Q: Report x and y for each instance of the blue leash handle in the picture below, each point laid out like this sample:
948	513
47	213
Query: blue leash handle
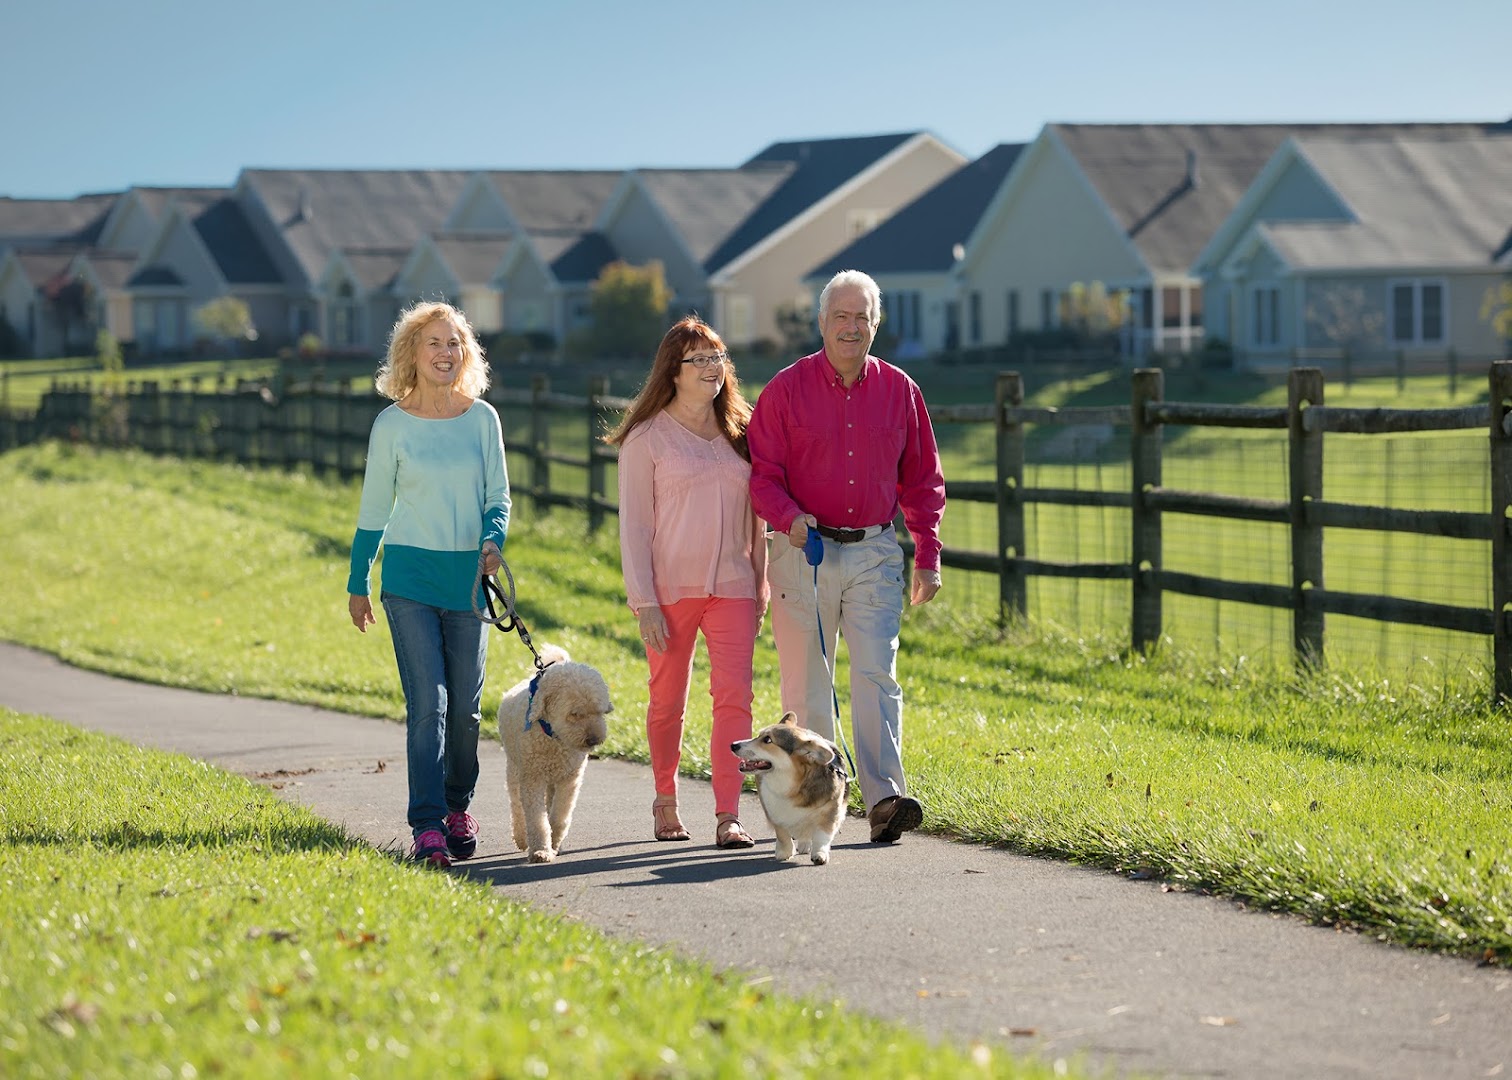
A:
813	551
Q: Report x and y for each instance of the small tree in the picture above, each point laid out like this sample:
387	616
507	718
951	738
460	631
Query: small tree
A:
226	318
1091	312
1345	318
108	353
628	307
1496	309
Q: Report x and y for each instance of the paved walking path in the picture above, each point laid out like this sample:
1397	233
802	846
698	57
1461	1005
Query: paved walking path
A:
960	941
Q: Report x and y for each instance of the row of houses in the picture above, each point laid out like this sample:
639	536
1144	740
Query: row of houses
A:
1274	240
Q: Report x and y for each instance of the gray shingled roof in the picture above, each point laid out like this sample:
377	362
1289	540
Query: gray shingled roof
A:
706	206
111	268
921	236
32	221
556	198
156	200
473	257
819	167
1140	171
320	211
42	264
1419	203
375	268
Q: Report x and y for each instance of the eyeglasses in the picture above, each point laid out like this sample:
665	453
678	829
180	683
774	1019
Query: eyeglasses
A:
704	361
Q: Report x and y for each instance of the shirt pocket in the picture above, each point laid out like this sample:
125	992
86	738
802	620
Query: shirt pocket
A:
815	454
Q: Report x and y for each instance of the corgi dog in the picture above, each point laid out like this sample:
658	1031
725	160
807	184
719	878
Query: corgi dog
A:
801	783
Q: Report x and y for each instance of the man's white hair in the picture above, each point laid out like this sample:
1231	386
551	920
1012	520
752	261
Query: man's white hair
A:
869	288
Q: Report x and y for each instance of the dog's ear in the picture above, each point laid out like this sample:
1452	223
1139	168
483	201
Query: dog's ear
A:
818	752
789	718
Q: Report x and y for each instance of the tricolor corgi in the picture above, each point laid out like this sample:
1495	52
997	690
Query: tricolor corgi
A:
801	783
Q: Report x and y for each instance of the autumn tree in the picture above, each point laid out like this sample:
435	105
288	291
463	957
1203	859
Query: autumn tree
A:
226	318
628	307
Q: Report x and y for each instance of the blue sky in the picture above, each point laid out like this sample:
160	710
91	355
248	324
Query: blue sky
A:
96	95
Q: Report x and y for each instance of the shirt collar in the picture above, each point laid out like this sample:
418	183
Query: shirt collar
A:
832	377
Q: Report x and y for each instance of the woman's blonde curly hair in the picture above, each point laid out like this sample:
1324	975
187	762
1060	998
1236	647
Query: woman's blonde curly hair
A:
396	375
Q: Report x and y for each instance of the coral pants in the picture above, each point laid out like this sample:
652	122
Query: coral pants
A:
729	630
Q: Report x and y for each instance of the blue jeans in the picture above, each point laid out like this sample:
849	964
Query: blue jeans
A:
440	655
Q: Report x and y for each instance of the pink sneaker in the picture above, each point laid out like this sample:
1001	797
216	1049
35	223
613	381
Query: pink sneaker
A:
461	834
430	848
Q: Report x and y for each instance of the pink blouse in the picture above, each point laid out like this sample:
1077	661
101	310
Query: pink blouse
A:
685	519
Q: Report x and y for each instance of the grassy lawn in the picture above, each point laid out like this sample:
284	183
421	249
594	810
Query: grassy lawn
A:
1353	800
181	921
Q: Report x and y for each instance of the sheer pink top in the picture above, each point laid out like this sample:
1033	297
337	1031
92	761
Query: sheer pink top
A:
685	518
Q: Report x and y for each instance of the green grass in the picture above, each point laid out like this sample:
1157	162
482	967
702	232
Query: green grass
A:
181	921
1354	799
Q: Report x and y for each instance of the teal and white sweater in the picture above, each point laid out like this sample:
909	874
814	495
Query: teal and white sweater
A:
434	492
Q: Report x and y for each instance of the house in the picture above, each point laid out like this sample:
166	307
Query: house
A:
203	248
44	312
42	316
737	243
1130	206
547	247
302	218
911	256
1382	246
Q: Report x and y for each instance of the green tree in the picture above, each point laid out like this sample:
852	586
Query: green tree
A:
1091	311
628	307
108	353
226	318
1496	309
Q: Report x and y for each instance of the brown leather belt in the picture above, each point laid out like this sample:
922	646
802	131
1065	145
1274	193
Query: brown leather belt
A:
849	536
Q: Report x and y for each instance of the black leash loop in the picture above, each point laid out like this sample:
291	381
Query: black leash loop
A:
506	617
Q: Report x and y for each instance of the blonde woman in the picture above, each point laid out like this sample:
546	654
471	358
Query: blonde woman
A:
694	559
436	496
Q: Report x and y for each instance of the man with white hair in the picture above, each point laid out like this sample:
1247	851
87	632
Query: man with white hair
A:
839	442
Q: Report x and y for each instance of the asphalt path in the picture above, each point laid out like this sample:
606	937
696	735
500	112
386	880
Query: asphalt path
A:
959	941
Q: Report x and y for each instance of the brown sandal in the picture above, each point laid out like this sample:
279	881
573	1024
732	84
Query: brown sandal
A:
729	833
668	825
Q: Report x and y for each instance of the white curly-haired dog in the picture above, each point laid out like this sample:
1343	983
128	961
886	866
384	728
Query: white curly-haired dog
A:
547	724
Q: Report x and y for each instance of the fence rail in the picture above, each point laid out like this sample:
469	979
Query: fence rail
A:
328	428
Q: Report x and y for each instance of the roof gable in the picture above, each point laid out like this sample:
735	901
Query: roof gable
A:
819	167
320	211
705	206
922	236
35	221
1171	186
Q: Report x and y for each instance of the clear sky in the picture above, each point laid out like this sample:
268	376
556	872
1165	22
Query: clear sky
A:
96	95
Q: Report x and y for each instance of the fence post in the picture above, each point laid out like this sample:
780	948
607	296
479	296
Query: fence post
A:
1501	508
1013	593
597	470
1304	389
540	438
1145	540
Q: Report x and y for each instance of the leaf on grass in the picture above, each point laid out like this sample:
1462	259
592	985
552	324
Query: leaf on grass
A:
1110	779
360	941
255	932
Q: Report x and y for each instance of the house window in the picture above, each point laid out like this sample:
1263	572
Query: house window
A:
901	310
738	308
1265	319
974	307
344	322
1170	306
1417	312
1013	312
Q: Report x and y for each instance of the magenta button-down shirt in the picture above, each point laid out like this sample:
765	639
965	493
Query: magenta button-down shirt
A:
851	456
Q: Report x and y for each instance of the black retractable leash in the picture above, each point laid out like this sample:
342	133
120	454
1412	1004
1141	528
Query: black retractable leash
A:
508	621
813	551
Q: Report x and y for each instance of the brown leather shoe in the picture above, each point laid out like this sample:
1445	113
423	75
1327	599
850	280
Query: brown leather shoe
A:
894	816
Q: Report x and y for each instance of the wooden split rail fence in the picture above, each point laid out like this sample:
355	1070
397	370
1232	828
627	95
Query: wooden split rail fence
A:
327	428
